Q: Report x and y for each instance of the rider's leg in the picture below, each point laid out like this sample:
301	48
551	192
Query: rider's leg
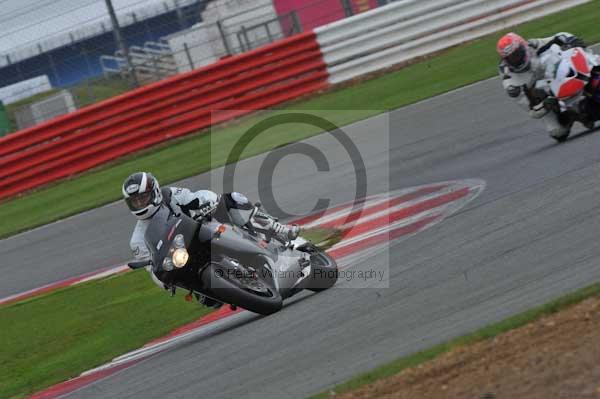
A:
262	220
245	214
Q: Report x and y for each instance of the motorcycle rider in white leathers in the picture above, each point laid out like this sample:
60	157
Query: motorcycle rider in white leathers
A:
143	196
521	67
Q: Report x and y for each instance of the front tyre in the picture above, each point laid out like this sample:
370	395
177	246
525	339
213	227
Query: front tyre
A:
561	132
251	294
561	139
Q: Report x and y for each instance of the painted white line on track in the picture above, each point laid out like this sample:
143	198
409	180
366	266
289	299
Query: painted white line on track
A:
110	272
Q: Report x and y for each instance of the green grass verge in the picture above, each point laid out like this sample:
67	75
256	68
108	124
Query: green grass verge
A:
488	332
98	89
53	337
325	238
11	109
454	68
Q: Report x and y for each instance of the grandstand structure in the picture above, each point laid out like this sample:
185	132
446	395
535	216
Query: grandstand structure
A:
73	54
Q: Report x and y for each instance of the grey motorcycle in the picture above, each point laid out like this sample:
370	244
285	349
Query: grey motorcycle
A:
210	255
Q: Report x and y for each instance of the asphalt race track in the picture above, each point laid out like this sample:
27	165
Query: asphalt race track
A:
530	236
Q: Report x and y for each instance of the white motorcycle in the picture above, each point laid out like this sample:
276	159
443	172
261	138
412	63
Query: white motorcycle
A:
571	85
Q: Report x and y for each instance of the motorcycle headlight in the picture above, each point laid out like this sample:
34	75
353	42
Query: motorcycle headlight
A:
167	264
180	257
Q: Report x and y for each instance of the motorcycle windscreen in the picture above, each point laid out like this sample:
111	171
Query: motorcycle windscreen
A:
157	232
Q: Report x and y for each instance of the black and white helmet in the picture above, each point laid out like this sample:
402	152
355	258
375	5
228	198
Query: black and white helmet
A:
142	194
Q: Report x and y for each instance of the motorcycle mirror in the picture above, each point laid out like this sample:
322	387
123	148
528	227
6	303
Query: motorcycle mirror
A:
140	264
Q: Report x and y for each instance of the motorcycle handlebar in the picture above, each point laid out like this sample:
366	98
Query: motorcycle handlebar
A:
140	264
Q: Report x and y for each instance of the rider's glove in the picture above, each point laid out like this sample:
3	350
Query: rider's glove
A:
567	42
203	211
538	110
513	91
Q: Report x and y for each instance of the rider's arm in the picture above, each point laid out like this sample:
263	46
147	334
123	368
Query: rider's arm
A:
562	39
514	85
189	200
138	244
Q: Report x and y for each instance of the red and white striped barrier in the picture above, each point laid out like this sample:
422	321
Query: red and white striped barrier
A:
405	30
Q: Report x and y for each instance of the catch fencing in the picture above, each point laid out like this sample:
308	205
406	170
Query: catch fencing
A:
190	34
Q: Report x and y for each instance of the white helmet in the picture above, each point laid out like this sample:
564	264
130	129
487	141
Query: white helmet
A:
142	194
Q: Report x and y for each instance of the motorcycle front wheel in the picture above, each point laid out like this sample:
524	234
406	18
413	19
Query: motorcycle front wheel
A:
252	294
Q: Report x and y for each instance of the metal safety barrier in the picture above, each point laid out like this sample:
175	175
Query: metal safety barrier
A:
409	29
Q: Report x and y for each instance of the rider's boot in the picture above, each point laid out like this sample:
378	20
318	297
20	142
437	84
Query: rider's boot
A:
286	232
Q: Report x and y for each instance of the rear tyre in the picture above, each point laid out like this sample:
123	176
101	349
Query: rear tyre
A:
256	296
324	269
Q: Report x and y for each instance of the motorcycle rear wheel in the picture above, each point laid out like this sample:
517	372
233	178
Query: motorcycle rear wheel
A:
324	269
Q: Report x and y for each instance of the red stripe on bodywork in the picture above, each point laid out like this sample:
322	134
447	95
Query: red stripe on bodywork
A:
571	88
580	63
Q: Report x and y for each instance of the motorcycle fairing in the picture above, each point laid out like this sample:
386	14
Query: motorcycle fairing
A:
580	63
572	74
160	243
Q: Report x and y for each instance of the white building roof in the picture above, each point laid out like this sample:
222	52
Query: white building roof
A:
28	27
